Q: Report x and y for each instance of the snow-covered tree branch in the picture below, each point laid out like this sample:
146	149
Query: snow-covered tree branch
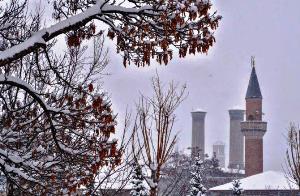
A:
237	188
55	136
138	182
197	177
144	29
55	122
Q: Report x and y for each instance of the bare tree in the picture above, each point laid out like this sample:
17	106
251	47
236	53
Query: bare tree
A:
154	131
293	155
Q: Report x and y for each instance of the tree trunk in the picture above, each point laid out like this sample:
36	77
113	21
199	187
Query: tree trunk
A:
155	177
153	191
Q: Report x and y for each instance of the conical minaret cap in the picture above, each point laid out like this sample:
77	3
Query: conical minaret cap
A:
253	90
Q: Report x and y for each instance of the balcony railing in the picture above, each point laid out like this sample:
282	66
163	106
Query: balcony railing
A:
253	125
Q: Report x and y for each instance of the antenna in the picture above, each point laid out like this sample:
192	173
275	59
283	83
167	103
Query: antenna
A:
252	61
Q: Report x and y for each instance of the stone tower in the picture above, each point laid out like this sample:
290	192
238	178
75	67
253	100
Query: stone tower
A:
253	128
219	151
236	139
198	132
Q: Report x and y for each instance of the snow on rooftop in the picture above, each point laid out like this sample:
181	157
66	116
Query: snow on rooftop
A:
269	180
237	107
198	110
233	171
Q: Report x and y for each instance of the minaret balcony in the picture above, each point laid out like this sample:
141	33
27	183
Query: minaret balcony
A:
254	128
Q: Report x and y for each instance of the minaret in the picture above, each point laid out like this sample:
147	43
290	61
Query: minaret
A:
236	139
198	132
253	128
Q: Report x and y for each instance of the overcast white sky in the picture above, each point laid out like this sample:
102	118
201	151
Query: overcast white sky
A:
268	29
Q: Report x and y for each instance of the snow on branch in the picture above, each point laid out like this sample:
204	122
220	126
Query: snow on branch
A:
17	82
144	31
40	38
51	129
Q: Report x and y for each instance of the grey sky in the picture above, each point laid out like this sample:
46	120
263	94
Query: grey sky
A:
268	29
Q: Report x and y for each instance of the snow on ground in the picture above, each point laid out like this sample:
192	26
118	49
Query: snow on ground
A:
269	180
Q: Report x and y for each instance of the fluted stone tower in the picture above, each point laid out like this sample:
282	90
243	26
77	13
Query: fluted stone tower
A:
236	139
253	128
198	132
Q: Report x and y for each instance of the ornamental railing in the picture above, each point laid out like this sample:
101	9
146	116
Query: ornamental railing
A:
254	125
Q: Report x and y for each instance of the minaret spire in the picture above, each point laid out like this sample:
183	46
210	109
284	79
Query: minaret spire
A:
253	90
253	128
252	61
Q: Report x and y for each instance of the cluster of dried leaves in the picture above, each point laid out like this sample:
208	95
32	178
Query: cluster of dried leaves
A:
153	29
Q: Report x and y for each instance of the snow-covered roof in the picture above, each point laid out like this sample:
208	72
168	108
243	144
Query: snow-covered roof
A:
233	171
269	180
198	110
238	107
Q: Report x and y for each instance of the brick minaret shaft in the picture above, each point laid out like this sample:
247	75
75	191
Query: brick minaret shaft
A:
253	128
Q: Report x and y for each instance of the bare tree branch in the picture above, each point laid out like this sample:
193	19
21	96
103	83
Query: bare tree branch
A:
154	128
